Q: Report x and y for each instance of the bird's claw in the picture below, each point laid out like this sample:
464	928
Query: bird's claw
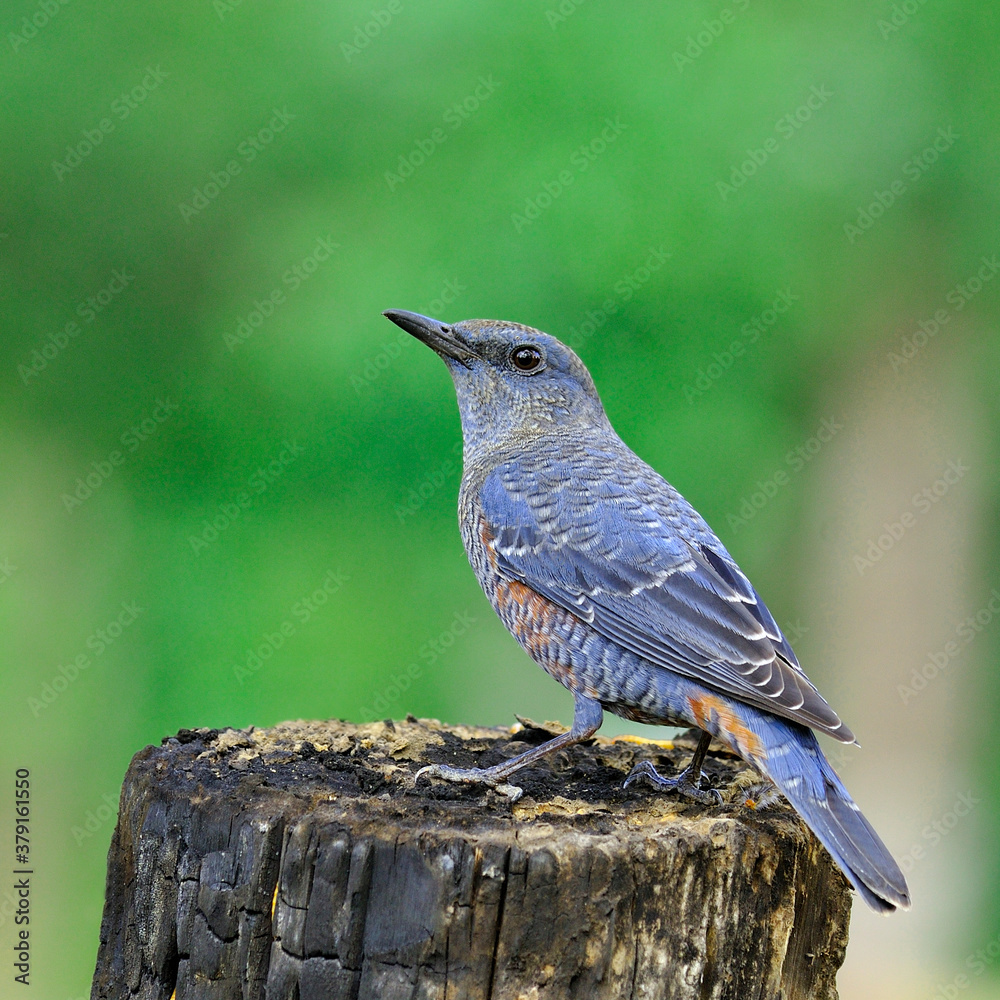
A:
470	775
686	783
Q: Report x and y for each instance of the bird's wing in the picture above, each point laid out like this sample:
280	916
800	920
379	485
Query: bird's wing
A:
629	568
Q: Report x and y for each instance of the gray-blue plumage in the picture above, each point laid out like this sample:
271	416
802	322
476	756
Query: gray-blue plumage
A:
618	588
641	566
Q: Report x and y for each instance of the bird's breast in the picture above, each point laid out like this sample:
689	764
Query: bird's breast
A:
568	648
546	631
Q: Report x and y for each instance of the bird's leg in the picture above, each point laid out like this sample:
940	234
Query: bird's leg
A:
587	718
687	783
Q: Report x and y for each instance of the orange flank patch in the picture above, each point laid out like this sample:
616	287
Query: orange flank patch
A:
524	595
531	612
747	742
532	619
487	538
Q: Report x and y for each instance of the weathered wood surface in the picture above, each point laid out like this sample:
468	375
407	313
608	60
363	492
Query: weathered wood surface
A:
300	862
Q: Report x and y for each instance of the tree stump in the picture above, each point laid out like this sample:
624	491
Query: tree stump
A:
301	862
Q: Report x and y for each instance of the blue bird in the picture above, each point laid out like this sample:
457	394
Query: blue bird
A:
617	587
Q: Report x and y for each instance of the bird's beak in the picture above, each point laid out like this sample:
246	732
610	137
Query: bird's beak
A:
438	336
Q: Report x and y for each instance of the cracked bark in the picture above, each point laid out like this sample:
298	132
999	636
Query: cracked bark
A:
300	862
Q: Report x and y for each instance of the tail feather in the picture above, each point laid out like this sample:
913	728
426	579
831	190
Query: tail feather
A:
795	763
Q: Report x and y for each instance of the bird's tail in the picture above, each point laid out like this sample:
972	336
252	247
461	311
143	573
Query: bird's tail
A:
795	763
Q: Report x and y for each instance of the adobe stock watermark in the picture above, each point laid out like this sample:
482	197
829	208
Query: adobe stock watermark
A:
365	34
565	10
937	830
921	503
292	280
301	613
418	495
976	963
899	16
624	289
707	34
88	310
94	819
373	367
100	471
580	160
454	117
7	570
912	170
722	361
911	344
371	371
786	126
427	655
122	108
794	630
940	660
225	7
245	154
98	642
9	907
450	294
261	480
795	461
45	11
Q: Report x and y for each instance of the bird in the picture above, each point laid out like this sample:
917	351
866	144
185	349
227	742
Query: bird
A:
615	585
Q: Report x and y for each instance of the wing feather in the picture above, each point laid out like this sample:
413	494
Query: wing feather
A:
620	564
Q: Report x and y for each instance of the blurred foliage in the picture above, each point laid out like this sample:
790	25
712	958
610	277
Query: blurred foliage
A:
452	159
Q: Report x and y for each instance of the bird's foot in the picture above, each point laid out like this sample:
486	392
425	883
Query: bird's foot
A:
687	783
489	776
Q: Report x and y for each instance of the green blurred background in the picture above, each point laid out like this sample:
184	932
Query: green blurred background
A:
212	444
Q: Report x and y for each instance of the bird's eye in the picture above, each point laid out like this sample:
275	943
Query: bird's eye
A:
526	359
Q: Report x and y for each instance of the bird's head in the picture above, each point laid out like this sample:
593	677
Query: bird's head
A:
512	381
